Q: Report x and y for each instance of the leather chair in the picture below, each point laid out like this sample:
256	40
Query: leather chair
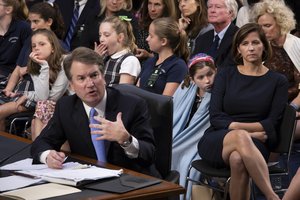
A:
161	111
219	179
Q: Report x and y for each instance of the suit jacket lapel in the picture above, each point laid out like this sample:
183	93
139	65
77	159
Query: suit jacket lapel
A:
81	122
225	40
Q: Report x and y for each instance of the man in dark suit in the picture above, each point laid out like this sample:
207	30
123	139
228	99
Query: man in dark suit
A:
87	8
220	15
123	121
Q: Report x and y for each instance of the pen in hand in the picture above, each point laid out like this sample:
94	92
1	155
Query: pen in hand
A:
65	158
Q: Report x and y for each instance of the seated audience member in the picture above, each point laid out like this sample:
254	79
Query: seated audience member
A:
277	20
150	10
47	16
119	132
74	31
44	70
246	106
193	20
293	192
217	42
15	32
163	73
191	116
117	44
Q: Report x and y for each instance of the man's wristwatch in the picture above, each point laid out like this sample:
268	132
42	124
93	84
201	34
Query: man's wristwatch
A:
128	142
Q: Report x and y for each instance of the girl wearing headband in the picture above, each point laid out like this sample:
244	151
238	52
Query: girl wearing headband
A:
191	116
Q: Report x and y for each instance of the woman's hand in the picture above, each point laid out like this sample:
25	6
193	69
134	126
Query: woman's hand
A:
184	22
260	135
143	54
21	101
34	57
8	93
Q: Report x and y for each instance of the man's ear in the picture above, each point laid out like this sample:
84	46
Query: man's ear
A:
71	86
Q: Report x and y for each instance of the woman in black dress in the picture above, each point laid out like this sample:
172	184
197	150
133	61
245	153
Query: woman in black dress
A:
246	106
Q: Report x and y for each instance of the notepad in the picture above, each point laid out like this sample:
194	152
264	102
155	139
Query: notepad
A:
40	192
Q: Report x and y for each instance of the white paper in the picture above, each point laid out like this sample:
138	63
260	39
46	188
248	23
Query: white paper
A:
42	191
16	182
92	173
72	172
25	164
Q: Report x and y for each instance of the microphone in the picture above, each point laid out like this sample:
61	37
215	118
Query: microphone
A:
14	154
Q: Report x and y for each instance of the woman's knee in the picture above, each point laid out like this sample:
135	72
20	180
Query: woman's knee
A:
236	162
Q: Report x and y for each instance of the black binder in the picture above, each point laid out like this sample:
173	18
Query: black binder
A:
122	184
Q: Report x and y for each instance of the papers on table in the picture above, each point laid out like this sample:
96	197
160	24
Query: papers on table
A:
14	182
73	176
73	173
25	164
41	191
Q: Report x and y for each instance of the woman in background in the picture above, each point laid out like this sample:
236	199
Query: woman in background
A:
191	116
151	10
277	20
193	20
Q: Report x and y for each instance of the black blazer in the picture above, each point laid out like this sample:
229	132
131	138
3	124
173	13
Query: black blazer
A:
66	7
70	122
224	57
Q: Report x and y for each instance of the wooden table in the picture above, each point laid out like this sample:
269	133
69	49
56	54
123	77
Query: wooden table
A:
160	191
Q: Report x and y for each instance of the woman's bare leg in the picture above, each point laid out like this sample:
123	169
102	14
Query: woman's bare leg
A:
36	127
293	192
8	109
239	178
240	141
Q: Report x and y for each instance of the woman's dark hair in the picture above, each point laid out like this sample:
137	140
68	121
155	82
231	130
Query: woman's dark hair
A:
198	20
54	60
47	11
242	33
169	11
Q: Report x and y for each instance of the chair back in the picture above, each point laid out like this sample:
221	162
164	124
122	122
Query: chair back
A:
286	130
161	111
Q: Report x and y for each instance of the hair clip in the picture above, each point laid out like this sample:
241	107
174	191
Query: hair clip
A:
124	18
